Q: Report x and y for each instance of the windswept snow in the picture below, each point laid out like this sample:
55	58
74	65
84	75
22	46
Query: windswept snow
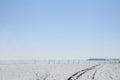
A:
84	70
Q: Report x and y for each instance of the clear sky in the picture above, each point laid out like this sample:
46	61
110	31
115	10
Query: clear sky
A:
59	29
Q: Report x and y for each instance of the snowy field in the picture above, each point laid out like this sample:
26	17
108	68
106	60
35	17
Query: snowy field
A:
59	70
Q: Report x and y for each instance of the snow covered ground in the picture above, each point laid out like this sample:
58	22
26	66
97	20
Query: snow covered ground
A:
65	70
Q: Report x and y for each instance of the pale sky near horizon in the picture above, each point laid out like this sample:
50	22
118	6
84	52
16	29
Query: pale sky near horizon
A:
59	29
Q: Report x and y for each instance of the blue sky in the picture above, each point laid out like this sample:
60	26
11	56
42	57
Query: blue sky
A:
59	29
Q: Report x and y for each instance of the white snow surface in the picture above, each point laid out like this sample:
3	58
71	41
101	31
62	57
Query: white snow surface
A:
59	71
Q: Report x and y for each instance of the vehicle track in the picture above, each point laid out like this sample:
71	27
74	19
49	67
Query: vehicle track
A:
110	76
93	77
80	73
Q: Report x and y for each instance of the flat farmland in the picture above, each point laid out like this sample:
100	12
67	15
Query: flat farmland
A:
59	70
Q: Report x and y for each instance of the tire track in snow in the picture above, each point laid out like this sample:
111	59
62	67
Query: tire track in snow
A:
80	73
110	76
93	77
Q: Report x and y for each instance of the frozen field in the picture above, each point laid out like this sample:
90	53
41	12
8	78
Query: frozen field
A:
82	70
